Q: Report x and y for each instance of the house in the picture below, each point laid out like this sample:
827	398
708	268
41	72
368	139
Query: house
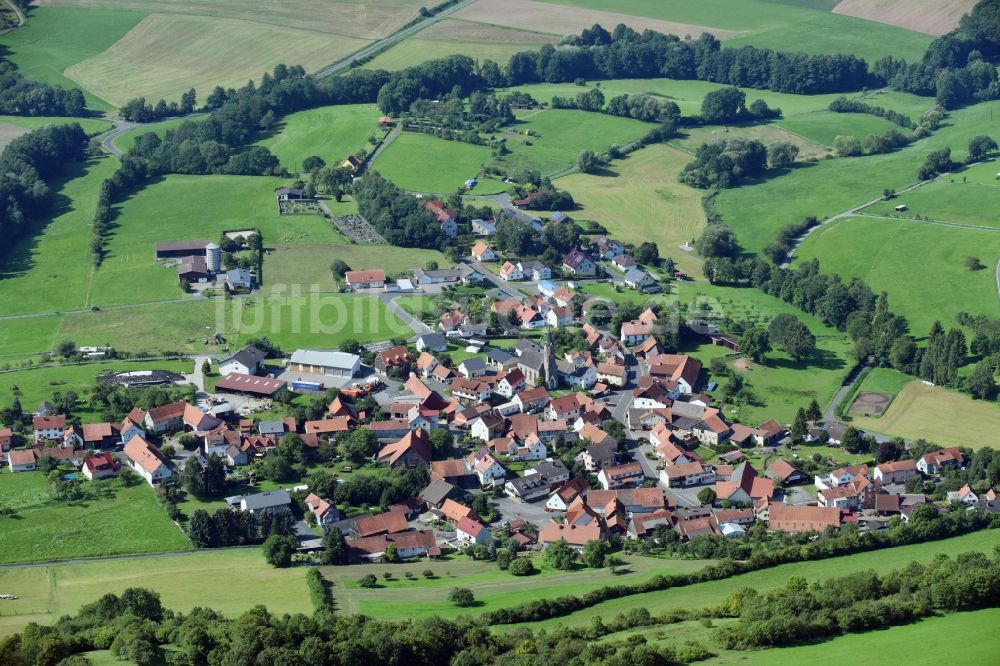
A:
528	317
635	332
580	525
413	450
576	376
509	383
640	280
486	427
147	460
536	271
469	275
432	342
559	217
606	248
531	448
685	474
365	279
601	453
193	269
785	473
564	296
259	387
483	252
218	441
351	163
566	408
450	321
247	361
744	486
559	316
6	440
424	276
325	362
850	496
131	425
328	428
239	279
393	359
181	249
679	368
936	461
538	481
426	363
453	512
444	216
579	264
482	227
471	532
611	374
470	391
49	428
273	501
416	543
472	367
965	495
899	471
840	476
288	194
628	475
21	460
99	435
322	510
785	518
487	469
623	262
532	399
510	272
434	495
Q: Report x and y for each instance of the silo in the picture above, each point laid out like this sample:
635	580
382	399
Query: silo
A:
213	257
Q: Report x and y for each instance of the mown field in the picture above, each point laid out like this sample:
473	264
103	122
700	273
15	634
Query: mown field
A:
713	592
690	139
38	384
92	126
921	266
308	265
938	415
53	39
970	197
423	163
639	198
332	132
824	126
128	520
166	54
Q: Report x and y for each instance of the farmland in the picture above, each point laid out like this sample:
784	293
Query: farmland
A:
823	127
970	197
309	265
926	270
123	520
407	162
147	62
92	126
809	146
332	132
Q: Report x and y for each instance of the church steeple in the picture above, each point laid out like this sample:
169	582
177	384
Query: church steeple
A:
551	372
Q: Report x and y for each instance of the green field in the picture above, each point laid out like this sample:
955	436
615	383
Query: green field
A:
690	139
54	39
948	199
180	208
713	592
885	380
309	265
938	415
38	384
423	163
639	199
56	260
166	54
560	135
27	336
129	521
332	132
92	126
825	126
921	266
414	51
125	141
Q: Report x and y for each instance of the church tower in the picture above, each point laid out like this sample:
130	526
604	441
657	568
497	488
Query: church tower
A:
549	369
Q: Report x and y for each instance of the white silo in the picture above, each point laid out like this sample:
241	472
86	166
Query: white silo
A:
213	257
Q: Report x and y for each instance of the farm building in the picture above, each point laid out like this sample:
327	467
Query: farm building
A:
247	361
181	249
260	387
289	194
325	362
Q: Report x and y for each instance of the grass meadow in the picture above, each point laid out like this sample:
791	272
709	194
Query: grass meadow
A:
126	521
823	127
639	198
166	54
921	266
308	265
949	199
690	139
423	163
332	132
92	126
54	39
125	141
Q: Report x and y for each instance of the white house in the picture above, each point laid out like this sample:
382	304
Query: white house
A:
247	361
433	342
147	460
483	252
472	532
559	316
49	428
509	272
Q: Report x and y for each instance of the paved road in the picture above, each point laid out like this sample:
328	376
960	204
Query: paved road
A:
121	127
418	327
504	287
386	42
389	138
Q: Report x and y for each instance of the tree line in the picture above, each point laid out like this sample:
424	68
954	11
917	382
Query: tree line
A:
23	97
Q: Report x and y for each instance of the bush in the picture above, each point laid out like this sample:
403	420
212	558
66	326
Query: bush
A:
368	581
461	597
522	566
319	590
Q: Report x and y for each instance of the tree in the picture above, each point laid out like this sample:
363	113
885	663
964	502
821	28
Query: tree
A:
66	348
755	343
193	477
973	263
441	441
587	162
723	105
368	581
594	553
339	268
813	412
278	550
706	496
647	253
214	476
521	566
980	147
852	439
461	597
391	554
200	529
791	336
981	383
559	555
847	146
717	240
782	154
313	163
799	428
360	445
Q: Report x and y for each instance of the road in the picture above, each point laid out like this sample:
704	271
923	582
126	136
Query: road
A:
17	12
504	287
418	327
382	44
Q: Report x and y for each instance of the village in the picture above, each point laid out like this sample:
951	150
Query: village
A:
607	435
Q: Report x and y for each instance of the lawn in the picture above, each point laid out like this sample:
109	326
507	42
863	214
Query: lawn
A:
54	39
166	54
921	266
28	336
560	134
183	581
713	592
825	126
56	261
938	415
401	598
423	163
38	384
129	521
309	265
180	208
332	132
639	199
125	141
885	380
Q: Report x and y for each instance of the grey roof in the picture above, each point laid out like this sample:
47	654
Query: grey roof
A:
551	468
499	356
436	492
636	275
249	356
433	340
271	428
474	363
533	265
525	484
238	275
268	500
687	409
442	273
532	359
523	346
325	358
